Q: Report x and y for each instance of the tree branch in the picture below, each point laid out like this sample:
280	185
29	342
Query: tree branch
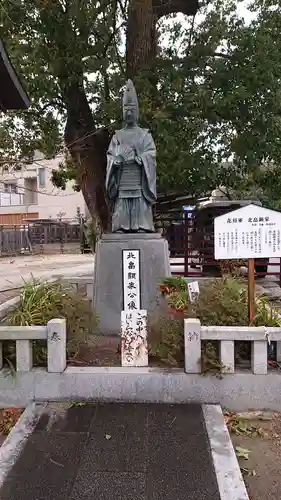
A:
164	7
221	54
124	9
191	32
182	60
53	103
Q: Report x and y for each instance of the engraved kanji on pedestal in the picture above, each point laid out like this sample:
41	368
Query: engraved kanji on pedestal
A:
131	280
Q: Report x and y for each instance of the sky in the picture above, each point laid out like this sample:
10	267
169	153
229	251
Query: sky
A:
242	10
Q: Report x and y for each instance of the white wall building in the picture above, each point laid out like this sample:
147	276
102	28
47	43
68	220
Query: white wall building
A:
28	193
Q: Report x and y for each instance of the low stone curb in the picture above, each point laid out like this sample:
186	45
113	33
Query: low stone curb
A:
14	443
237	392
230	481
8	306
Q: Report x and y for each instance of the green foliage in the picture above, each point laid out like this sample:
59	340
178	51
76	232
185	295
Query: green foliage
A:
41	302
266	314
65	173
165	338
221	302
217	94
92	233
173	284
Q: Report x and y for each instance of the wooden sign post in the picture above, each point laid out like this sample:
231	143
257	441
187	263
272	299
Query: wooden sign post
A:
251	233
251	289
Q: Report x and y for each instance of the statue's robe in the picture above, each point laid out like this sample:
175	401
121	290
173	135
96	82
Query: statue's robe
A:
132	187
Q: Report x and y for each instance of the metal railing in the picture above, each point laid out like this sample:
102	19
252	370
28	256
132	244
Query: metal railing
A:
40	237
11	199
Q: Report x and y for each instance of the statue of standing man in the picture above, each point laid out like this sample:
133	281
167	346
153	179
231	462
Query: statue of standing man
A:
131	171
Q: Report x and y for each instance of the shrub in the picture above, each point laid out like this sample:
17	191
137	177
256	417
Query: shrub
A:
41	302
222	301
266	314
173	284
165	339
232	267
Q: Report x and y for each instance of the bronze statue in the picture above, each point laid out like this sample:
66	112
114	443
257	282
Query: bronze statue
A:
131	171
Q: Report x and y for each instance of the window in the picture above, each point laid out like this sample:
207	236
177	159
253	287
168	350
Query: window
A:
41	174
10	188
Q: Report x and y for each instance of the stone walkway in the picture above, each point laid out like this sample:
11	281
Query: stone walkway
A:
14	271
115	451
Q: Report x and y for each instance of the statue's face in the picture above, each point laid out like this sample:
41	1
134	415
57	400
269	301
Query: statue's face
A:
130	115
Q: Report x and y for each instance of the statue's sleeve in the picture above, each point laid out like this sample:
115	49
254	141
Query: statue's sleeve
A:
112	171
147	155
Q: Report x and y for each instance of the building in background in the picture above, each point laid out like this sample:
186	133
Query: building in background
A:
28	193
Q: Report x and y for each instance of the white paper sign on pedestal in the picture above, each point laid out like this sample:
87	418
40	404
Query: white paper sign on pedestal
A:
134	351
193	290
250	232
131	280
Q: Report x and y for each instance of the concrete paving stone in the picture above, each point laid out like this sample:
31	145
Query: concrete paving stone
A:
122	415
181	486
175	416
46	468
177	438
109	486
118	439
117	451
171	451
73	419
269	284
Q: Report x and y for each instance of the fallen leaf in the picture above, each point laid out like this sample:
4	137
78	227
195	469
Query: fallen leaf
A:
248	472
242	452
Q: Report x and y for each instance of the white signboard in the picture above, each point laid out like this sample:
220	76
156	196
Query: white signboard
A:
131	280
248	233
134	350
193	290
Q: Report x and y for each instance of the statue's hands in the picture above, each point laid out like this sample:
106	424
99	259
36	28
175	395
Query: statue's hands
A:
137	156
127	155
118	160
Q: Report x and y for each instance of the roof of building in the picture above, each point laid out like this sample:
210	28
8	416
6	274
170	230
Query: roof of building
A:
12	94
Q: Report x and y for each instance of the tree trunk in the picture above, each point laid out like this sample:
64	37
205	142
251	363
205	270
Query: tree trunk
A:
86	144
87	147
141	38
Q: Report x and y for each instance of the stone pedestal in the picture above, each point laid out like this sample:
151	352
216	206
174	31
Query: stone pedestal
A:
108	277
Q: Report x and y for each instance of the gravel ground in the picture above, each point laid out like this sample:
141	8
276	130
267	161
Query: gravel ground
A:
263	480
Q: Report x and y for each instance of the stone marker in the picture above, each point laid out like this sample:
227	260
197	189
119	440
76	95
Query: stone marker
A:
109	275
134	338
